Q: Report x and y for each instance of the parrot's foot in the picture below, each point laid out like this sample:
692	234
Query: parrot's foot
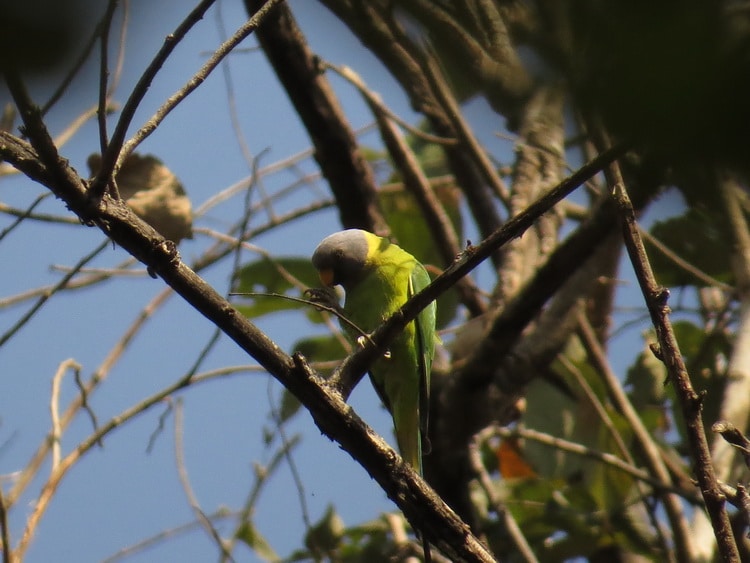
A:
364	339
324	299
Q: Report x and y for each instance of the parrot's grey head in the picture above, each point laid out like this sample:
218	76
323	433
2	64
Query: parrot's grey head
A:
341	258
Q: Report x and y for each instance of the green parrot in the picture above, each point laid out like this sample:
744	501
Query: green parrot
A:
379	277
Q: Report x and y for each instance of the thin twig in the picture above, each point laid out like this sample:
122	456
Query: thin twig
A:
85	398
179	454
119	65
79	283
733	436
77	65
234	117
104	73
54	408
293	469
24	215
604	457
262	475
109	158
332	309
197	79
690	402
453	111
43	217
44	298
599	408
281	165
351	76
649	449
129	551
509	523
5	547
675	258
161	425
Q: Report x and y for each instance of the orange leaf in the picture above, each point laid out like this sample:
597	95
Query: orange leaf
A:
511	462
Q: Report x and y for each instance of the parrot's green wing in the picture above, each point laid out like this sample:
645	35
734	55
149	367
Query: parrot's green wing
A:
425	342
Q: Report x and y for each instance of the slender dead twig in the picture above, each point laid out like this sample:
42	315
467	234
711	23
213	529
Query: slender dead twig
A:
109	157
29	214
690	402
98	377
179	454
196	80
104	73
5	546
371	97
46	296
262	475
648	447
603	457
293	468
77	65
497	504
54	407
24	215
680	262
734	437
129	551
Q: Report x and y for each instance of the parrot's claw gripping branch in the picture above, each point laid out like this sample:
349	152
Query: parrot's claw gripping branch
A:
324	299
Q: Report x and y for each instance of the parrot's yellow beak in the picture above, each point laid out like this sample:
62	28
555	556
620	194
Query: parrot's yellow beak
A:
326	276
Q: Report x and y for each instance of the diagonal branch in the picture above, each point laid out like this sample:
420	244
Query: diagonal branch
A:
332	415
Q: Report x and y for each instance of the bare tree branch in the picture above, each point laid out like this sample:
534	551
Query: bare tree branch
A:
690	402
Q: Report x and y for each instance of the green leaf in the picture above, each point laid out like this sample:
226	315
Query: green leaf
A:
558	406
610	487
646	378
325	535
651	391
274	276
249	534
704	353
700	238
290	406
